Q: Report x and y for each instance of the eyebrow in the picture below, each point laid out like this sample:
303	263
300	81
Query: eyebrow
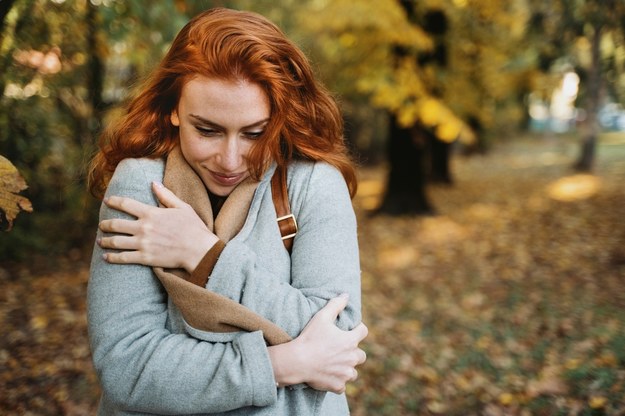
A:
206	121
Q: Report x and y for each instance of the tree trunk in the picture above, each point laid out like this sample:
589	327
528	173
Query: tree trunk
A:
5	8
405	189
440	156
589	140
95	81
5	61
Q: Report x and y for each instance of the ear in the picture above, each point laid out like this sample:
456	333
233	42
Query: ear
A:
174	118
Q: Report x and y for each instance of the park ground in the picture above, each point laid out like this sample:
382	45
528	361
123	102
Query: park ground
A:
508	301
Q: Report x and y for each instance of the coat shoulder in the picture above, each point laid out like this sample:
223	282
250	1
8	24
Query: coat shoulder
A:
133	177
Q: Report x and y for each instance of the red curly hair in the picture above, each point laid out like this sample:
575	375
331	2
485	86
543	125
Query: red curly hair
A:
305	121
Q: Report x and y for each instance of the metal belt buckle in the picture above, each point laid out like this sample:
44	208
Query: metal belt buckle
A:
286	217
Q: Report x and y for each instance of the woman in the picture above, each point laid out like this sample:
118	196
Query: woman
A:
231	103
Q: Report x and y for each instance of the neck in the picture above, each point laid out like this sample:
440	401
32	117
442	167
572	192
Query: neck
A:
216	202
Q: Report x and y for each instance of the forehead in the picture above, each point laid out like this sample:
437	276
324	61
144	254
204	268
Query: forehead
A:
225	102
201	88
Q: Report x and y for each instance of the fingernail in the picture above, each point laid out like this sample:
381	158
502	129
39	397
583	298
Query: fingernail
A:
106	200
344	295
105	257
98	241
157	184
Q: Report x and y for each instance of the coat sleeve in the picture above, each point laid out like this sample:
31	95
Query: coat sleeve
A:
144	367
324	260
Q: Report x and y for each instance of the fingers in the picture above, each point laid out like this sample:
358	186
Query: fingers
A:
166	197
118	243
350	375
334	307
138	209
362	358
127	205
360	332
347	374
125	257
354	376
119	226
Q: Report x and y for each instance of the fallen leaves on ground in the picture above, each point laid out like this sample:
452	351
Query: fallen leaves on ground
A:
45	362
509	301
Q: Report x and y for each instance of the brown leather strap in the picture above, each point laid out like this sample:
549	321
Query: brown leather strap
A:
280	195
205	267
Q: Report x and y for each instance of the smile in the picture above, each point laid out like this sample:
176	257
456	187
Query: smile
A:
227	179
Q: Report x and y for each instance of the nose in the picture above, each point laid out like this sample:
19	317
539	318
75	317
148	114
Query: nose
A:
230	154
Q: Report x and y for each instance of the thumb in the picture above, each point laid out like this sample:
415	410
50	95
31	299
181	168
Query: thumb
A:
335	306
166	197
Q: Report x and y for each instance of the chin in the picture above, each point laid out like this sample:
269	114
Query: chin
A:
219	191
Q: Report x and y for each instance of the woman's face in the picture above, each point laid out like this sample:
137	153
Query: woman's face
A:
218	122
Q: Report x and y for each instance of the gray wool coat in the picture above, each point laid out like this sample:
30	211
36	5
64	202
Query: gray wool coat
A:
150	361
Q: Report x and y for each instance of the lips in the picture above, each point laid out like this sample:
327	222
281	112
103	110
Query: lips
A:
227	179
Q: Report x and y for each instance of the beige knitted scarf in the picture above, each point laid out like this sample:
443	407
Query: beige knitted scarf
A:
201	308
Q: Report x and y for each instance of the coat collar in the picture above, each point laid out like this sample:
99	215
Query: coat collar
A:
182	180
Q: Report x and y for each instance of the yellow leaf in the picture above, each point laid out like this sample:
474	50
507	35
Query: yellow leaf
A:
348	40
547	386
430	112
427	374
448	131
39	322
11	183
506	399
572	363
597	402
407	116
437	407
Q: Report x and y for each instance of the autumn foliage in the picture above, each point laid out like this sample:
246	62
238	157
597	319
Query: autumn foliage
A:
11	183
509	301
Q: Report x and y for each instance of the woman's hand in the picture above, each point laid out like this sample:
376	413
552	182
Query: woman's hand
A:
322	356
170	237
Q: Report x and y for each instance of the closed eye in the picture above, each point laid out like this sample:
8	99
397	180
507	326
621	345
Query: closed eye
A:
253	134
207	131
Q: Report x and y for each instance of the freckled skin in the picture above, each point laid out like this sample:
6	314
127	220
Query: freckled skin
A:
219	121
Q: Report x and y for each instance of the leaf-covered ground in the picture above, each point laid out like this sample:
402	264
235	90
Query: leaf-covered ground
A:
510	301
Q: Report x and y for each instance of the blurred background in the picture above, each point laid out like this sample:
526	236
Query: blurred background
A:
490	140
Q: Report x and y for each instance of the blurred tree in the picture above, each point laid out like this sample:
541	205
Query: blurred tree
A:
589	36
408	145
63	64
31	123
443	69
5	8
436	72
368	49
488	72
598	26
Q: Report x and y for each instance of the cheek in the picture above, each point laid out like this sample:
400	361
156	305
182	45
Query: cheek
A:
198	152
194	150
246	149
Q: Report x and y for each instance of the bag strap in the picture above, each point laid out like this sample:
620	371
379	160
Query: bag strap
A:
280	196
